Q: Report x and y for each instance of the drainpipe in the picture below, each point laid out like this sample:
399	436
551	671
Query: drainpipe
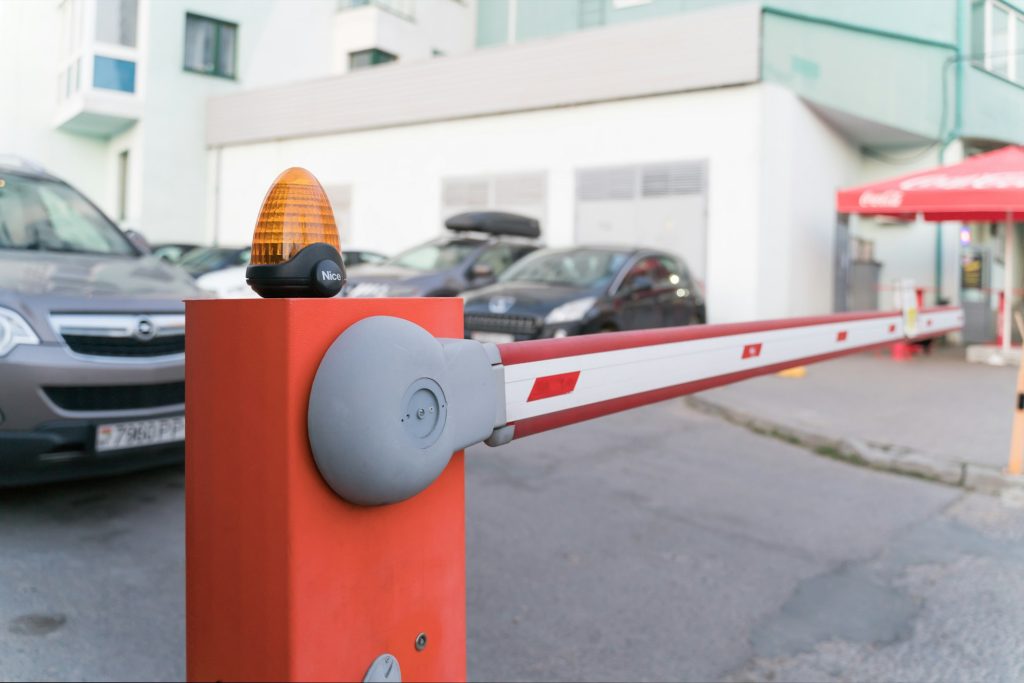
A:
962	23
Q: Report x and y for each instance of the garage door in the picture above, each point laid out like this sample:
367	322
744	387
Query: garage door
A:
662	205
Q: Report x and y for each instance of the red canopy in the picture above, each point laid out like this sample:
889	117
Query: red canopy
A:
984	187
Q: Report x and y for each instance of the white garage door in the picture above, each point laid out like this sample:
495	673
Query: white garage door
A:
663	206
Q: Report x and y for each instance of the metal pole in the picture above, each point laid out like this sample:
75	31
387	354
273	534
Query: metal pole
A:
1008	249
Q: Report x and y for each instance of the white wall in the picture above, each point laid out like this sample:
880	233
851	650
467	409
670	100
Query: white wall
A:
445	25
396	172
277	42
804	162
28	99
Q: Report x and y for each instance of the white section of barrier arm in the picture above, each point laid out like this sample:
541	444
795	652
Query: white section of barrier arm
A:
552	383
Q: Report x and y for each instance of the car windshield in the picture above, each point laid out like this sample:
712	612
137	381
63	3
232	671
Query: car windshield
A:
47	215
576	267
199	261
435	255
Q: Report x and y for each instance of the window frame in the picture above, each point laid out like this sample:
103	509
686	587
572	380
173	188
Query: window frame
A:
219	25
373	52
1014	42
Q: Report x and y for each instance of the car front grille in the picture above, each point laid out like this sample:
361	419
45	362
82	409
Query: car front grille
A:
123	397
122	335
508	324
125	347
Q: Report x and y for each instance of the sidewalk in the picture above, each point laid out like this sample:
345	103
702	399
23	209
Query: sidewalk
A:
936	416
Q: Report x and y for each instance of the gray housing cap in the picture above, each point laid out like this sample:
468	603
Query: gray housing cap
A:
390	404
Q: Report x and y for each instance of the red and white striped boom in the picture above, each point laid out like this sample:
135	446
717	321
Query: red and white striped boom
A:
390	403
551	383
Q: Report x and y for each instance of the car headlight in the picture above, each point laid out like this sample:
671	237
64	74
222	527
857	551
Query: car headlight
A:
14	330
572	311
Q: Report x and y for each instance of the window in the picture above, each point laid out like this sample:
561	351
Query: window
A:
116	22
210	46
1003	30
113	74
499	257
45	215
367	58
122	185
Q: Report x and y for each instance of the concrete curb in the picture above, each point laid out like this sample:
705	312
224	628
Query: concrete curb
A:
889	458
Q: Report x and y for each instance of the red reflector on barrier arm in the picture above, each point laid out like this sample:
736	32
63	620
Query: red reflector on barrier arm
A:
553	385
554	382
751	350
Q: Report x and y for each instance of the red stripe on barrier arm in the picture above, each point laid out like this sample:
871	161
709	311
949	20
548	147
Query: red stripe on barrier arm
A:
841	335
545	349
542	423
553	385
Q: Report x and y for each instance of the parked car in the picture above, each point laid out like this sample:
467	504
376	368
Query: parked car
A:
561	292
208	259
452	264
172	253
229	283
92	339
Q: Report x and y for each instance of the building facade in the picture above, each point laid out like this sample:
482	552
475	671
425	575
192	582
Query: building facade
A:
111	94
718	129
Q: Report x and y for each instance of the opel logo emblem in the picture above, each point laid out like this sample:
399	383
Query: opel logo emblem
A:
144	329
501	304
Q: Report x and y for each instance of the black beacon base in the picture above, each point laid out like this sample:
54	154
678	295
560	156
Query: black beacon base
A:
316	271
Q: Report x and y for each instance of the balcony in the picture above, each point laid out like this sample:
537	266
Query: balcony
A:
98	88
406	9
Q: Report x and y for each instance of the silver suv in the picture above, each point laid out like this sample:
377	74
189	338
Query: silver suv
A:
92	339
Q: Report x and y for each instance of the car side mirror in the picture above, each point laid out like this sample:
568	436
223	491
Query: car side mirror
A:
481	271
138	241
641	283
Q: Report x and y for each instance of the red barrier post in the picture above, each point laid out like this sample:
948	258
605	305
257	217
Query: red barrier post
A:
285	580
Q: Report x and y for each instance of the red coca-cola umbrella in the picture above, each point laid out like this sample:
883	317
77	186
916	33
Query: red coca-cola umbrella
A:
986	187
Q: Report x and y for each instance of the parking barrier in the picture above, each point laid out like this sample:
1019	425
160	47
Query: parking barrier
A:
291	401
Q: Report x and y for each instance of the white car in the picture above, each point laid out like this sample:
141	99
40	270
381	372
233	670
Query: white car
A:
229	283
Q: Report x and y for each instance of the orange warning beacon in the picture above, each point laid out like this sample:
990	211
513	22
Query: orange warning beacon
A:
295	250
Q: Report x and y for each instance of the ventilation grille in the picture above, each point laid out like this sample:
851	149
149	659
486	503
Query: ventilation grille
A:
631	182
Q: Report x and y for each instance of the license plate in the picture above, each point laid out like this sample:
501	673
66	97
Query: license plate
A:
492	337
120	435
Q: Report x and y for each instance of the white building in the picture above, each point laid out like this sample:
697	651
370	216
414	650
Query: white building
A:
111	94
588	132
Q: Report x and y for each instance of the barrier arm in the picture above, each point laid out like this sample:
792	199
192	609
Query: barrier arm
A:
308	417
454	393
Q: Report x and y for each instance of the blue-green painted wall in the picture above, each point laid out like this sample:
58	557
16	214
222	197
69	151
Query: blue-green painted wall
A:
884	61
928	19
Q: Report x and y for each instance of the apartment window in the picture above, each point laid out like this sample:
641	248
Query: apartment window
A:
1003	39
210	46
113	74
368	58
116	21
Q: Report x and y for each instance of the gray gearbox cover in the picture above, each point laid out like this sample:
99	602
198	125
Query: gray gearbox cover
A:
390	404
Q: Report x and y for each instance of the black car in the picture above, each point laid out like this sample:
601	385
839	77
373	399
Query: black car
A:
483	245
561	292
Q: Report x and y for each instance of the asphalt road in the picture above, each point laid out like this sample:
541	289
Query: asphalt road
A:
660	544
